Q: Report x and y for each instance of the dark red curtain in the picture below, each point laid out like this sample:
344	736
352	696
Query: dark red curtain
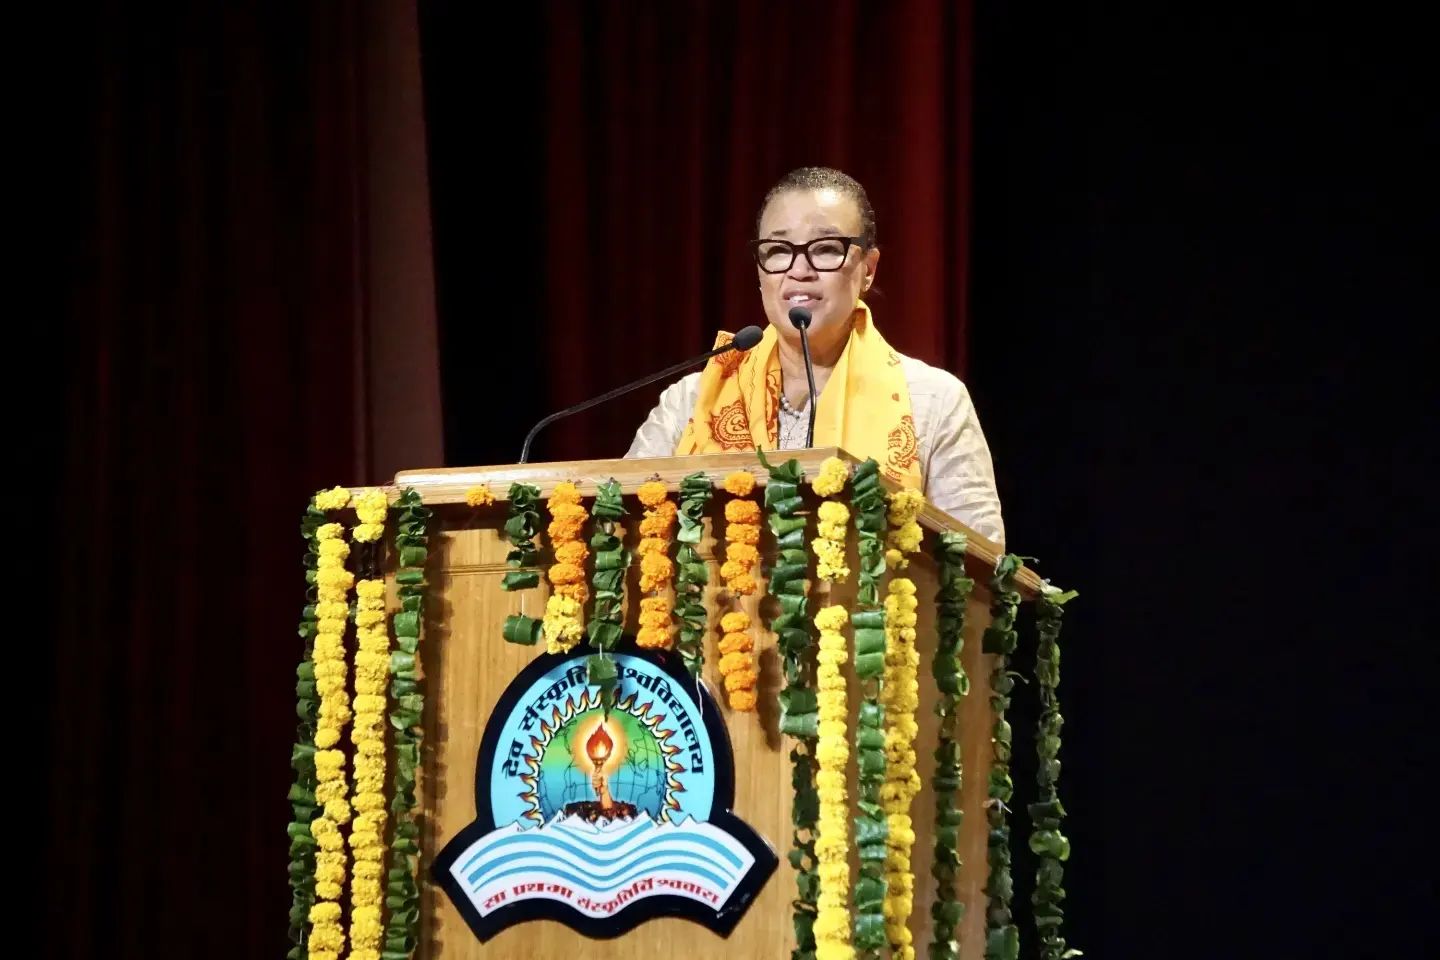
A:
253	315
664	126
251	318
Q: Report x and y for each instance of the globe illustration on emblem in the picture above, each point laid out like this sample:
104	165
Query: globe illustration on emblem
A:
611	767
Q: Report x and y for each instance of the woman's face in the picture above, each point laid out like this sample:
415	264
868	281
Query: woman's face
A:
800	216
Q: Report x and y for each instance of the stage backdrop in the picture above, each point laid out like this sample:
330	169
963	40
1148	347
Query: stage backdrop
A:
253	316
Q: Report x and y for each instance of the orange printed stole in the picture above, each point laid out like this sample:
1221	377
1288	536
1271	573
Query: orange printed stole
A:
864	408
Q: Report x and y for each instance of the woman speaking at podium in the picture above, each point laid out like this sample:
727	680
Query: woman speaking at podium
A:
816	250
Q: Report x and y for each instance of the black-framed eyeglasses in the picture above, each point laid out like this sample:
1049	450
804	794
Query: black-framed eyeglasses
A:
824	253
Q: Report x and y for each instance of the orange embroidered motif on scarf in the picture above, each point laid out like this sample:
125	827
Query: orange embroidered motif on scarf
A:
730	428
903	448
772	402
730	362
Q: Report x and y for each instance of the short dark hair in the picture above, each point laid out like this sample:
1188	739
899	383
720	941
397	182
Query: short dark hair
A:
821	178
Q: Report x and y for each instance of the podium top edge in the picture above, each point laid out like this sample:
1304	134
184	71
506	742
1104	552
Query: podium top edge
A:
443	486
587	475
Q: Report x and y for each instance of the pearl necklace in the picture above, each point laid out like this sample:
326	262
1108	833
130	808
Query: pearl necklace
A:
793	425
787	406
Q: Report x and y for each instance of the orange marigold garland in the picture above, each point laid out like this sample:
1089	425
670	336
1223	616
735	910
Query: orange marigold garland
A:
742	553
742	533
737	660
657	570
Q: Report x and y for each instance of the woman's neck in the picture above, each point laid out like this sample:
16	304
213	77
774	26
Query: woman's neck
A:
792	368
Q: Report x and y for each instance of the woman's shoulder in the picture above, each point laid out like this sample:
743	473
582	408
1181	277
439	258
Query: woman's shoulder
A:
678	398
662	430
935	384
686	386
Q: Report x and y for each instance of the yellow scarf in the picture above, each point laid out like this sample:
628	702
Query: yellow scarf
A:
864	408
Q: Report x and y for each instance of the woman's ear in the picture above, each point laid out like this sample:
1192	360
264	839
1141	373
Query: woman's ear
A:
872	263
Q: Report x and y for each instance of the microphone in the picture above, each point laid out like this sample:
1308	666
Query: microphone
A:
744	340
800	319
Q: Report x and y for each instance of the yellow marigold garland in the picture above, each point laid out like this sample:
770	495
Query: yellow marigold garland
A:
337	498
742	553
370	509
900	695
905	533
564	624
829	542
367	733
479	495
833	474
657	570
832	752
372	671
333	582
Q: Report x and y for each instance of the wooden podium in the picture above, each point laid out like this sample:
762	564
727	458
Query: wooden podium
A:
467	665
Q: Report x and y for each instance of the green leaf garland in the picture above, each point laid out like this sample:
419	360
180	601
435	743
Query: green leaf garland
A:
407	707
302	757
1046	814
521	527
799	706
947	911
1002	937
868	509
868	503
611	561
691	574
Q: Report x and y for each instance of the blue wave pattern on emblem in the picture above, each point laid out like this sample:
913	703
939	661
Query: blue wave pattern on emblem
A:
600	868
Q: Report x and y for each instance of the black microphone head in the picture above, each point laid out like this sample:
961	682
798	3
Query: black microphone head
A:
799	317
747	338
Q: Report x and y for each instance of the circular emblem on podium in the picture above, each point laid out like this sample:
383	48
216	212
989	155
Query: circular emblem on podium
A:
604	818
